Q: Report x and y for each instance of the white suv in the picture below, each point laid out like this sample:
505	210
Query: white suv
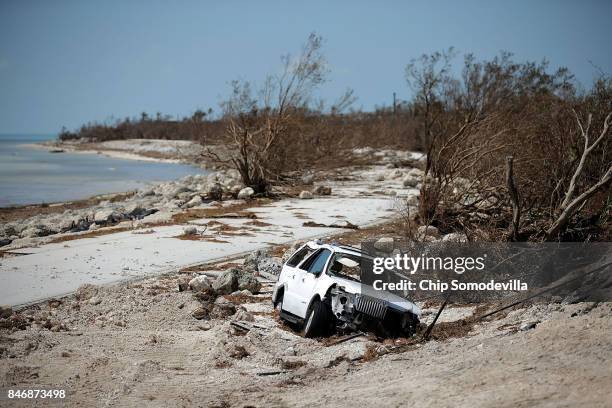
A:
319	289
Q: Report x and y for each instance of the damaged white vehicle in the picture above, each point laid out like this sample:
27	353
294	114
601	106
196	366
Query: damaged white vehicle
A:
319	290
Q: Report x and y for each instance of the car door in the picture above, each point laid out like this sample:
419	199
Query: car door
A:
306	279
292	277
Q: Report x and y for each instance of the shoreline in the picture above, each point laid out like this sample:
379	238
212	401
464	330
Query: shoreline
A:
127	153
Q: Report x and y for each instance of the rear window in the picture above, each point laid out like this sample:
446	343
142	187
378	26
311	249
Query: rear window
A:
299	256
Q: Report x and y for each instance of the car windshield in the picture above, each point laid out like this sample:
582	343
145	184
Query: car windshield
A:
345	266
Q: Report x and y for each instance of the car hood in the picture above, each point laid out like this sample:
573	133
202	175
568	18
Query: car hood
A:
398	302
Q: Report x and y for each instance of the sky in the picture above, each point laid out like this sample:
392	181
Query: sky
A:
69	62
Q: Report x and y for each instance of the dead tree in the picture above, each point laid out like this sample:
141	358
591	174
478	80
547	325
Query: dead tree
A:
570	204
514	197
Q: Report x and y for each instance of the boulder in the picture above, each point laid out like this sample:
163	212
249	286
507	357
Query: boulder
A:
199	284
194	202
384	244
306	195
247	281
455	237
235	279
215	191
246	193
227	282
5	241
108	216
410	181
323	190
428	231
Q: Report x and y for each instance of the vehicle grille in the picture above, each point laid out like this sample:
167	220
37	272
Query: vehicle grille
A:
370	306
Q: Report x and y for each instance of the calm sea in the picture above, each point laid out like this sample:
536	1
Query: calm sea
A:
32	176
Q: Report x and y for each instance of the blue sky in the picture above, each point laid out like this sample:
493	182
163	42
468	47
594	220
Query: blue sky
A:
64	63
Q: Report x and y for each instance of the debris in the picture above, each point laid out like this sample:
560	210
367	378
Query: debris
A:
528	325
266	373
346	338
223	308
244	315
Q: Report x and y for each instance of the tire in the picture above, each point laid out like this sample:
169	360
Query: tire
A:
278	305
316	319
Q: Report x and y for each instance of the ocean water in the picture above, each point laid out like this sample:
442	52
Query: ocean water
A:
33	176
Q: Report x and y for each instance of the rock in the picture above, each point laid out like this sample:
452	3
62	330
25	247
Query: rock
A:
93	227
244	315
95	300
410	181
249	282
5	241
215	191
384	244
6	312
270	266
194	202
199	313
199	284
252	260
227	282
308	178
306	195
190	230
528	325
246	193
146	193
223	308
395	174
455	237
108	216
428	231
323	190
235	279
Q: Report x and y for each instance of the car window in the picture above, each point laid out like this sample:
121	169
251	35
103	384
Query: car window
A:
316	263
345	266
299	256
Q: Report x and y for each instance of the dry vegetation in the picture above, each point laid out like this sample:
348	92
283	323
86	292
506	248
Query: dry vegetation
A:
515	151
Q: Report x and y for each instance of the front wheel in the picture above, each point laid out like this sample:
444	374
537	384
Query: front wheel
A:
315	319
